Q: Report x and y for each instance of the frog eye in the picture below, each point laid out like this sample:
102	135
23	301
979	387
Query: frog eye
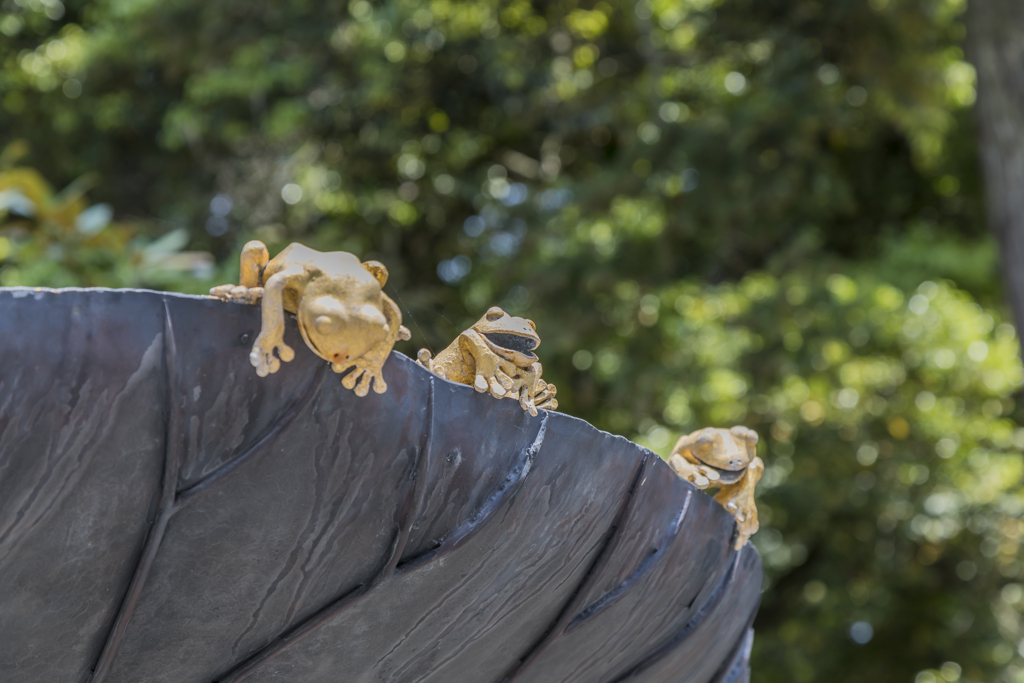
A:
324	324
493	313
705	442
745	433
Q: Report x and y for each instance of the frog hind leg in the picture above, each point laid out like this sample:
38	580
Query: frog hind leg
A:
738	499
426	359
535	393
237	294
255	257
545	396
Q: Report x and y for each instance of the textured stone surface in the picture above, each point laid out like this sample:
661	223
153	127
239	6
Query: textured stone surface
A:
167	515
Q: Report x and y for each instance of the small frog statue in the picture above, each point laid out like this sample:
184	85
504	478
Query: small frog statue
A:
343	314
726	459
496	355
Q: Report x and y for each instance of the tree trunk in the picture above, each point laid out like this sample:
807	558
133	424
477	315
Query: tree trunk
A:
996	48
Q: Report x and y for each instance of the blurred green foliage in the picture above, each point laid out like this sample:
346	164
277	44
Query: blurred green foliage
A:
717	211
58	240
892	489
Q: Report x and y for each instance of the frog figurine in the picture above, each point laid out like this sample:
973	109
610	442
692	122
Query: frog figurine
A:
342	312
726	459
495	355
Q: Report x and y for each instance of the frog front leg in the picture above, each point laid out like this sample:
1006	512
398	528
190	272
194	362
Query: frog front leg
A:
271	337
492	373
738	499
368	367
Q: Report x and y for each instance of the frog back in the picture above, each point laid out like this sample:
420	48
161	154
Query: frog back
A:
337	273
297	256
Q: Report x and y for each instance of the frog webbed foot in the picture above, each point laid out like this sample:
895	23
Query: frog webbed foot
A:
494	375
535	392
237	294
362	375
263	357
499	385
545	396
743	510
526	402
700	476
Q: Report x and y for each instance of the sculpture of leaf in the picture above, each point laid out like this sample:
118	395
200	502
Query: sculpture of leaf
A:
166	515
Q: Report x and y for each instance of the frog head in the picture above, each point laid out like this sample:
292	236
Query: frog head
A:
511	338
727	451
341	318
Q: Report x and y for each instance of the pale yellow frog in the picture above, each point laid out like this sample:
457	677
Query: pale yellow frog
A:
342	312
726	459
495	355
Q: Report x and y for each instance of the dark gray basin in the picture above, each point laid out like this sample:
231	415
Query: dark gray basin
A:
167	515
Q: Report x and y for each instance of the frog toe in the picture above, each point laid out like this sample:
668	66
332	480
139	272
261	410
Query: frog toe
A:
349	380
222	292
363	387
259	360
497	391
